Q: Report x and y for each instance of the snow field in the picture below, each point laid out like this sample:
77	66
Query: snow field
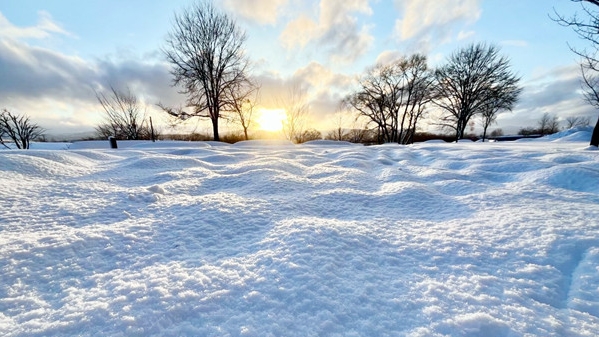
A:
270	239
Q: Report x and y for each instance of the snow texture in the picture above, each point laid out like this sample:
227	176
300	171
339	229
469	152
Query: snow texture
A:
321	239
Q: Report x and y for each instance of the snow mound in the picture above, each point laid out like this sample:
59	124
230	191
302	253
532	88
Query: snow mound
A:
577	134
573	178
580	134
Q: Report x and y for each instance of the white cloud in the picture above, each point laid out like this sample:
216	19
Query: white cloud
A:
321	78
388	56
463	35
428	22
337	29
336	12
299	32
44	28
260	11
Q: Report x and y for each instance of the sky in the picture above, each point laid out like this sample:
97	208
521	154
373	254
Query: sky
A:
55	54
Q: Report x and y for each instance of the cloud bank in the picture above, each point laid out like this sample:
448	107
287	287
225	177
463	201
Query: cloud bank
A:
429	22
58	90
336	27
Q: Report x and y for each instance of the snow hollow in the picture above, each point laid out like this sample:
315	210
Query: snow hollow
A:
320	239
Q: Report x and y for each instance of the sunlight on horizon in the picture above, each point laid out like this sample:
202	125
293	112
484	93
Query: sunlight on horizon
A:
270	119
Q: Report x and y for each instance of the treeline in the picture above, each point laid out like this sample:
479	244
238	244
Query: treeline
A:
476	81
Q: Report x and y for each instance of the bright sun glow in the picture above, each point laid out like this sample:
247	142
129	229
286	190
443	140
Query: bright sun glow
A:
271	119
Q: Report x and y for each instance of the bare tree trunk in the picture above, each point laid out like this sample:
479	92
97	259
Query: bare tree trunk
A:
152	130
215	129
595	136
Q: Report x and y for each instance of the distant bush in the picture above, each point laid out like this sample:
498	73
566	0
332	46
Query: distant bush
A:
425	136
308	135
232	137
529	130
190	137
496	133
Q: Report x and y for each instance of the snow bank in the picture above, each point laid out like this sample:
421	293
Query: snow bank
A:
468	239
577	134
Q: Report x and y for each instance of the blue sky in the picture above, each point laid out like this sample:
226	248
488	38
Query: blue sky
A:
55	53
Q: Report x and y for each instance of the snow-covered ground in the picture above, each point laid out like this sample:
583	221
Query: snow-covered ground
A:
320	239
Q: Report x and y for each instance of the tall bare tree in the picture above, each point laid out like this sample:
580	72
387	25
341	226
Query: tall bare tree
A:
417	94
205	49
371	100
244	99
587	28
472	80
19	129
496	103
340	132
297	109
548	124
393	97
125	117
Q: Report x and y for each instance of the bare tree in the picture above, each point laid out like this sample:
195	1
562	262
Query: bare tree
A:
587	29
19	129
416	94
340	132
245	97
497	133
575	121
498	101
296	108
124	116
393	97
310	134
548	124
475	78
487	118
205	49
371	100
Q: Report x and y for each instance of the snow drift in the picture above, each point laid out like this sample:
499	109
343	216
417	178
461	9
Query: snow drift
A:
272	239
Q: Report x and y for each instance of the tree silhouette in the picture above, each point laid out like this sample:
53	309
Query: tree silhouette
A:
19	129
474	80
205	49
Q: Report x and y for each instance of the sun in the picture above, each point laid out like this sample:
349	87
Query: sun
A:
270	119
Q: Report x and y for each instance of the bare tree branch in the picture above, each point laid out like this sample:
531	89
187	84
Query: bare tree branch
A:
296	112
